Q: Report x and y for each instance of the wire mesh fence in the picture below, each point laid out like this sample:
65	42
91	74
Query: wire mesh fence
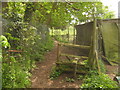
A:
67	35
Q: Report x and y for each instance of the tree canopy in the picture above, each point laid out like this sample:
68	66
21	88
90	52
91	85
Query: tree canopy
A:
58	14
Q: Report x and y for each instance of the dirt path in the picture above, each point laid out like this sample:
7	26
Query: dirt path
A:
40	75
111	70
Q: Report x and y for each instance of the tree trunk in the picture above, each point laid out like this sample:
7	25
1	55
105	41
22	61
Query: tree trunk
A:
68	34
92	55
28	12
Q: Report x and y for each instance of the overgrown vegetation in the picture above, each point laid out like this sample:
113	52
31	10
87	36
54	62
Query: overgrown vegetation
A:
27	46
55	73
102	66
95	80
80	77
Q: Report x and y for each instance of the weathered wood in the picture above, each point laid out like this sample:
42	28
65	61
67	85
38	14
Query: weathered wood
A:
106	60
68	58
92	58
97	62
94	45
75	69
82	57
72	70
69	63
74	40
58	52
97	50
73	45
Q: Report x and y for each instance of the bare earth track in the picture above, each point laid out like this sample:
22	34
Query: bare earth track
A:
40	75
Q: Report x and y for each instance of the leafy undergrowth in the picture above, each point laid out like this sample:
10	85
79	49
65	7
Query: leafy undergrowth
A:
67	79
15	74
16	68
95	80
55	73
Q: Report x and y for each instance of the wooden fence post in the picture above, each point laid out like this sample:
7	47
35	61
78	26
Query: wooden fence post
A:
58	52
74	38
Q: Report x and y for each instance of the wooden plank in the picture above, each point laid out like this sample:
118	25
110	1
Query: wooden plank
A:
74	45
69	63
83	57
72	70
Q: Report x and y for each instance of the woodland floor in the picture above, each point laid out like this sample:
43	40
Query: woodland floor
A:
40	75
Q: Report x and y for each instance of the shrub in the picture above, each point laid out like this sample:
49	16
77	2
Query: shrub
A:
15	74
96	80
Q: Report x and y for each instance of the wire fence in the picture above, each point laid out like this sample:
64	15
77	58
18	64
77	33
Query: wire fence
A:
67	35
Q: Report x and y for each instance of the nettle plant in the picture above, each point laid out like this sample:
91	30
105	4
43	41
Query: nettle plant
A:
14	75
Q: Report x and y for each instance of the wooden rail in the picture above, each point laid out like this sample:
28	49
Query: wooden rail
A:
70	63
83	57
72	70
74	45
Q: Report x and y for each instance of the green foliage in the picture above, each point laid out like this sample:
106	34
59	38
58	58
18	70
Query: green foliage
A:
60	14
48	45
4	41
95	80
24	37
85	62
55	73
34	49
80	77
60	39
14	73
69	79
102	66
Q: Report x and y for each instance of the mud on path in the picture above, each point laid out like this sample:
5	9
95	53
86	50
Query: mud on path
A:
40	75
